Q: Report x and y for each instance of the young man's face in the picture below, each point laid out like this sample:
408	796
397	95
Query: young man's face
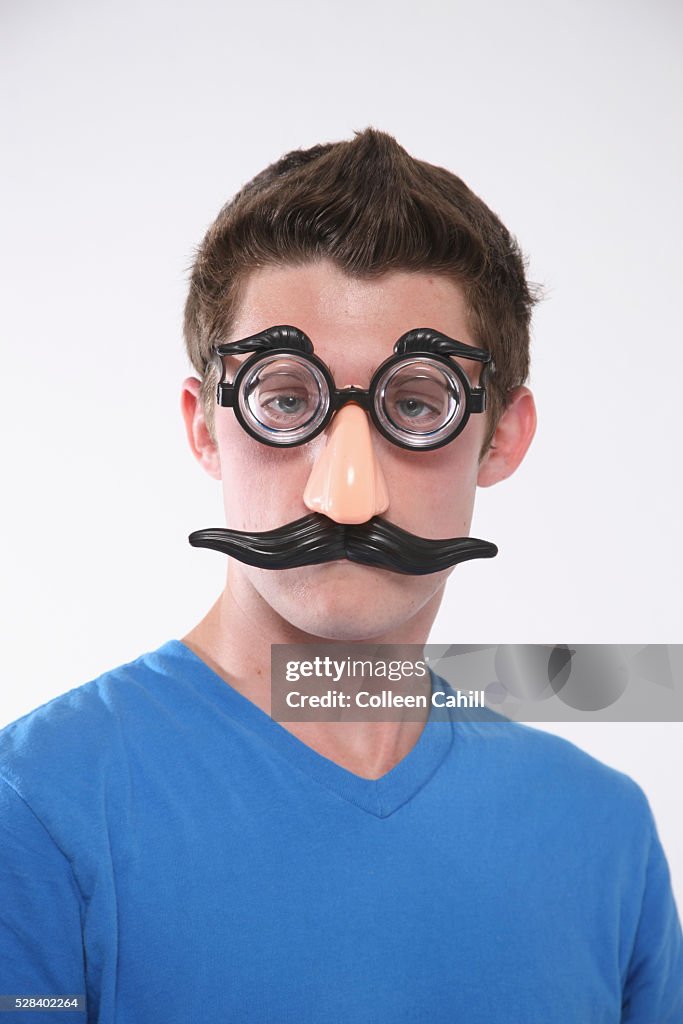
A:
353	325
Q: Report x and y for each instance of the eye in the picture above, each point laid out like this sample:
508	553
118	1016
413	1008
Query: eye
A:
283	398
288	404
419	400
282	393
413	408
418	403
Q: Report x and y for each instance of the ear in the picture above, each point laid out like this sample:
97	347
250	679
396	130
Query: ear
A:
202	444
514	433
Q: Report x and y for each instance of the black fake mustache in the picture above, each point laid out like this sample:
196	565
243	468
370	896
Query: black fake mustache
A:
315	539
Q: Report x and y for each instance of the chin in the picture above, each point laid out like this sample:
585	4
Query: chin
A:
347	602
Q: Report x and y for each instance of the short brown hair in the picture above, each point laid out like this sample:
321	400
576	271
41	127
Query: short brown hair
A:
369	207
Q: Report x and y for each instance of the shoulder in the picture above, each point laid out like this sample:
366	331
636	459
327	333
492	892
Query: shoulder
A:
553	777
77	735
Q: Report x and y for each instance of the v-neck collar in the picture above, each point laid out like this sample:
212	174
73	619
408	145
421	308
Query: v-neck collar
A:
380	797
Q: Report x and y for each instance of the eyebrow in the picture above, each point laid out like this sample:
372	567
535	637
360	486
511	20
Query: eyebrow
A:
411	341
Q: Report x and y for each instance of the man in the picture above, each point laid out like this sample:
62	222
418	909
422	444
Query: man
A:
359	322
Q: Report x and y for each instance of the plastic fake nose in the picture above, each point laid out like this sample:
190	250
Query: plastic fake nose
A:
346	483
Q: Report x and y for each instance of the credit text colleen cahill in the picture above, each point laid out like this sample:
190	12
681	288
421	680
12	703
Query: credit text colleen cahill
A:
385	699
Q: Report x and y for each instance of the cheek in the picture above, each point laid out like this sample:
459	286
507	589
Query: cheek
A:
263	486
439	486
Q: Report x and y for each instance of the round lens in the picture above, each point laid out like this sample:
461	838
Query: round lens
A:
283	398
420	402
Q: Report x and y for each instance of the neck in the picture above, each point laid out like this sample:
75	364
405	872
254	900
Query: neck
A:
235	638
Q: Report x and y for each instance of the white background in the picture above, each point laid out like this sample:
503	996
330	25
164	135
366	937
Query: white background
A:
127	125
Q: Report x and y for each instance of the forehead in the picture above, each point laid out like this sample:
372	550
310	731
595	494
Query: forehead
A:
353	322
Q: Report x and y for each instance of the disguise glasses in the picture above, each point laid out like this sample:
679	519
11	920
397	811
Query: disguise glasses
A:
419	398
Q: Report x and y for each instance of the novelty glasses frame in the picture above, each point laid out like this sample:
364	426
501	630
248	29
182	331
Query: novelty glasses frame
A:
422	341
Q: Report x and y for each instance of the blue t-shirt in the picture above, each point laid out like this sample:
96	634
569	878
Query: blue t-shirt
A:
171	852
